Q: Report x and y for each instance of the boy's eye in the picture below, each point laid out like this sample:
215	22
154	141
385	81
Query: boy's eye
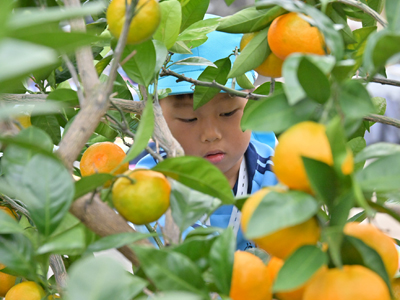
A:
228	114
187	120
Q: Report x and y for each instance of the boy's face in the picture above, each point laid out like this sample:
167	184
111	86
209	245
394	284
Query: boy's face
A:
211	131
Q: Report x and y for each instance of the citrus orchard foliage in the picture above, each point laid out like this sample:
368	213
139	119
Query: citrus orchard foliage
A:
319	111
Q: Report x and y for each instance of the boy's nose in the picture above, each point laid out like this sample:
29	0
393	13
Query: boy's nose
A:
210	132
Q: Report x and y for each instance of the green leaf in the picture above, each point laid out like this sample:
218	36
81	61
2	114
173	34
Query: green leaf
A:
229	2
275	113
101	278
6	8
197	249
370	258
188	206
8	224
161	55
180	47
170	271
47	190
88	184
20	19
50	125
198	174
333	236
143	133
221	260
292	87
392	10
195	61
203	94
255	52
196	34
355	100
279	210
380	105
19	59
310	76
171	17
117	240
17	155
344	69
337	140
357	50
140	68
193	11
357	145
382	175
333	38
378	150
176	295
70	242
380	48
244	82
102	64
265	88
338	16
249	19
299	268
64	95
63	42
16	252
322	178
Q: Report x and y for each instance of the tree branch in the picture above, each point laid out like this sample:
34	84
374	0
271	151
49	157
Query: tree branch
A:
384	81
233	92
104	221
130	106
383	120
84	56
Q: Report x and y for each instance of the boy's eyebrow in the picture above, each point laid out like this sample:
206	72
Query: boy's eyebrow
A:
182	104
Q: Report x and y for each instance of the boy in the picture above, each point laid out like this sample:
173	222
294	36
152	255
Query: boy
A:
213	131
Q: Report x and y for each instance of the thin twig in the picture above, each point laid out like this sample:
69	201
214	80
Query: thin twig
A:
214	84
156	238
383	81
383	120
132	54
75	78
129	14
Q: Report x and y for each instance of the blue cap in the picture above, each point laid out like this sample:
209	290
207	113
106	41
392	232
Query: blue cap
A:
218	45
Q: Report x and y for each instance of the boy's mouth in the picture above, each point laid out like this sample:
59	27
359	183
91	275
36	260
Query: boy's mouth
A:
214	157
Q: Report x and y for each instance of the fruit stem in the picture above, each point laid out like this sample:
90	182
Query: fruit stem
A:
156	238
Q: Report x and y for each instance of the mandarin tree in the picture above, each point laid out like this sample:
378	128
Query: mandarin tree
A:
85	73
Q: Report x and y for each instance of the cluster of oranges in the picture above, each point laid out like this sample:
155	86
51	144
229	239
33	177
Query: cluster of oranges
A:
24	290
140	196
308	139
288	33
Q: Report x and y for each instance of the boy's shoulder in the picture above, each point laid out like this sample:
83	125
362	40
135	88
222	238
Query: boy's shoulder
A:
259	164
